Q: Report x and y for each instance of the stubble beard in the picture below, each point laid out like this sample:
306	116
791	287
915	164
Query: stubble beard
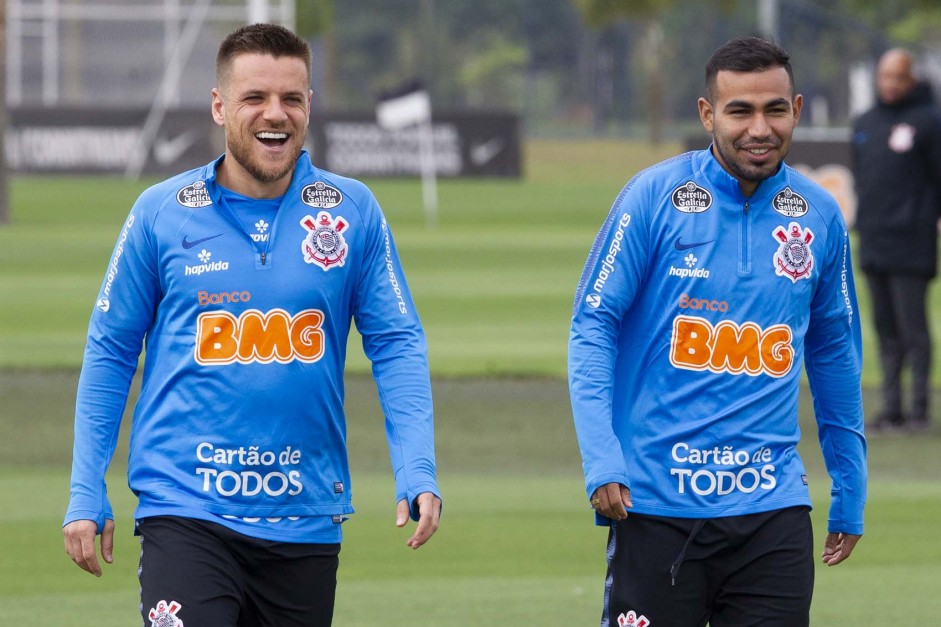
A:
742	170
241	152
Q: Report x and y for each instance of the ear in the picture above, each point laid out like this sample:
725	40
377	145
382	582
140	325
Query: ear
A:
797	105
706	115
218	107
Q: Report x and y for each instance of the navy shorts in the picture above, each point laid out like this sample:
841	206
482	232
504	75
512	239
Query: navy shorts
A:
734	571
201	574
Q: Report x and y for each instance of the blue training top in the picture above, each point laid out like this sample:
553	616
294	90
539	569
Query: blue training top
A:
240	417
694	313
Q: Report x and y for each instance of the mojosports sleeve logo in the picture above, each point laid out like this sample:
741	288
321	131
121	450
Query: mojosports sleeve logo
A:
321	196
691	198
793	258
194	196
325	244
789	203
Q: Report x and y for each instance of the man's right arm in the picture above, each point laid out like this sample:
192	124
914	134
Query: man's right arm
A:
606	290
123	312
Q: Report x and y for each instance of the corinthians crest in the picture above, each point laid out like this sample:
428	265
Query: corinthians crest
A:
631	619
164	615
324	244
793	258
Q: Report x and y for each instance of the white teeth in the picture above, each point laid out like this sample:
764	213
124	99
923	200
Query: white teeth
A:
266	135
758	151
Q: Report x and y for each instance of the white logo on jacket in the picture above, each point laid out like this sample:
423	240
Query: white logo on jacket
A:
164	615
738	470
902	138
325	245
321	196
631	619
793	259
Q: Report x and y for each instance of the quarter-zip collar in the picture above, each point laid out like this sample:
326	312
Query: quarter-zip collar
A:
304	173
727	185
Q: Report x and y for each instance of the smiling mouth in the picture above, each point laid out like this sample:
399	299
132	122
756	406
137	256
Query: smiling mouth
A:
270	138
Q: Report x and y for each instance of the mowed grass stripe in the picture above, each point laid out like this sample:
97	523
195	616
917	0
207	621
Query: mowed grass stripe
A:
508	548
505	254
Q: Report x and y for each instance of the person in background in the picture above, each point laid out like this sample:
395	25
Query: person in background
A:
242	277
896	161
715	277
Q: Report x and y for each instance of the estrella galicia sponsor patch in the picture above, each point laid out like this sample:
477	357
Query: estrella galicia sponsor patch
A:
194	195
164	615
793	258
325	245
691	198
321	196
789	203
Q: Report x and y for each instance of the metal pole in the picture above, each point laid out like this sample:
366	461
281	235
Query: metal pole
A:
13	28
257	11
4	192
288	14
429	176
171	40
50	53
158	110
767	13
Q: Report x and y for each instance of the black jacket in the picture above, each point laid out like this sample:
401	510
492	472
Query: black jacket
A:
897	171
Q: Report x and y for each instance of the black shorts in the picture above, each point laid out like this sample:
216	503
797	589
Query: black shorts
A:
733	571
200	574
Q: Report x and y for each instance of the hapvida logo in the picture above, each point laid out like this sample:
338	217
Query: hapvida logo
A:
206	266
262	231
690	271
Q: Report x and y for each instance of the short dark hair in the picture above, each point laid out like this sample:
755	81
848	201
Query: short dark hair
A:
260	39
745	54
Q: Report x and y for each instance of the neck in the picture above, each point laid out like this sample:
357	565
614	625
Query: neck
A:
234	177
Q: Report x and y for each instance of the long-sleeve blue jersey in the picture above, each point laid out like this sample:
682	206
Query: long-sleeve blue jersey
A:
240	415
694	313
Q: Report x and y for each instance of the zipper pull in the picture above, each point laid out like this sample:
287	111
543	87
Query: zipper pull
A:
264	256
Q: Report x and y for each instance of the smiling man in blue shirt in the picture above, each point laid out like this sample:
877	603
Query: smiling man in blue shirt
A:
242	278
716	276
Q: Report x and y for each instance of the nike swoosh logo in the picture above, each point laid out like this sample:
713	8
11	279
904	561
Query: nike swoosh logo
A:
168	150
196	242
681	246
483	153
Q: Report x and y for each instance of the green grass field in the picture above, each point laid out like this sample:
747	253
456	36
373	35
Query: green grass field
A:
494	283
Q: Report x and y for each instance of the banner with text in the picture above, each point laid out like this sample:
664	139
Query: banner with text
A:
99	141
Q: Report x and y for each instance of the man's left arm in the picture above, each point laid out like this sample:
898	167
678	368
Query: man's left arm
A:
931	146
833	359
394	341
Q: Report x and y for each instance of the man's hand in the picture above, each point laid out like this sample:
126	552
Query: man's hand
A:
429	510
612	500
80	544
838	547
